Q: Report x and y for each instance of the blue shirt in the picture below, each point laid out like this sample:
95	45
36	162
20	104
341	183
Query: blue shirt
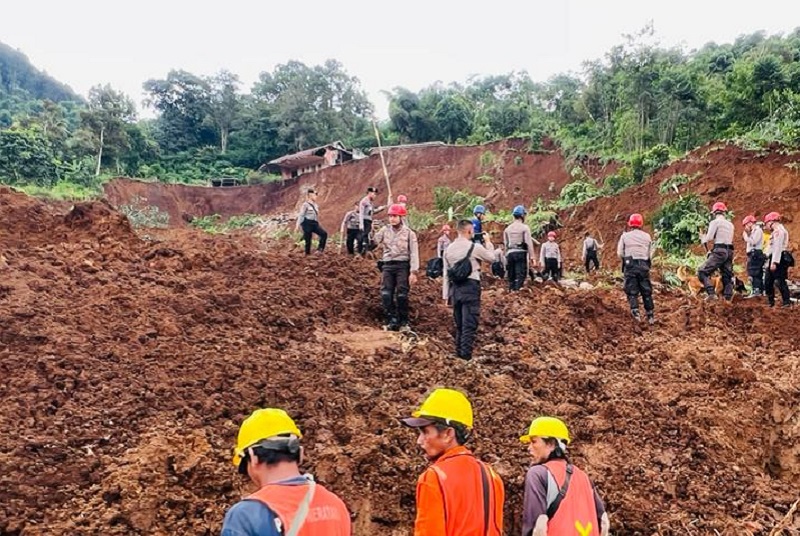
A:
477	225
253	518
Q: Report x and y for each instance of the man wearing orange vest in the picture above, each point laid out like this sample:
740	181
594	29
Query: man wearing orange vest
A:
287	503
457	495
560	500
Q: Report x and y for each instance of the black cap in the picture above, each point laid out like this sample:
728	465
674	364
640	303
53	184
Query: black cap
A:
372	189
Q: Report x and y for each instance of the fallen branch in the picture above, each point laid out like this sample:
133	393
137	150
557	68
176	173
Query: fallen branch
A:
785	521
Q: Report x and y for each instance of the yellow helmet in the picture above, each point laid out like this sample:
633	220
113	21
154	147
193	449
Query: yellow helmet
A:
546	427
446	405
263	424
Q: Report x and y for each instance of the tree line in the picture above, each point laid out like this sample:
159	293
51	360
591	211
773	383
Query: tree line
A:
640	99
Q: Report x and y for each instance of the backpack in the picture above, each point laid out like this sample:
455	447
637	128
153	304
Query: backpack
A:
460	271
498	270
435	268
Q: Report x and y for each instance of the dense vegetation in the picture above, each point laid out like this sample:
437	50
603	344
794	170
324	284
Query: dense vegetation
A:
640	104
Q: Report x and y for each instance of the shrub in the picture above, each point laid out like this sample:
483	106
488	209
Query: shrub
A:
678	223
459	202
488	159
614	184
576	193
213	224
141	215
672	183
419	220
62	191
648	162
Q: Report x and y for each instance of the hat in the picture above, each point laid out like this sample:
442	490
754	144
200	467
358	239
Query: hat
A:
372	189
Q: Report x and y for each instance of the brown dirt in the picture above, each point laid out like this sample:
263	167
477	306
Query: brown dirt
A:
129	364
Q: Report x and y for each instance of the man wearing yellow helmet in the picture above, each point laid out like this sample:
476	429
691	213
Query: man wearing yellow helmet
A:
287	502
457	495
559	498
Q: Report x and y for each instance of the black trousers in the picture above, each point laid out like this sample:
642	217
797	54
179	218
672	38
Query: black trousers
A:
777	277
466	313
755	269
551	269
312	227
394	291
517	268
363	237
720	259
637	281
351	240
591	258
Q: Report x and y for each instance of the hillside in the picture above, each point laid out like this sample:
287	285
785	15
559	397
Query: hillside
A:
18	74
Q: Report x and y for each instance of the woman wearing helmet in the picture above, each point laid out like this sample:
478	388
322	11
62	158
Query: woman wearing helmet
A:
635	249
519	249
559	497
778	259
753	237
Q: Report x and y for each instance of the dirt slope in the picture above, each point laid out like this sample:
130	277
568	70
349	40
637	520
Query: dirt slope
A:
516	177
129	363
748	181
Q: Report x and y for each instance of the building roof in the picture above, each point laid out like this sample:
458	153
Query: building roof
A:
308	156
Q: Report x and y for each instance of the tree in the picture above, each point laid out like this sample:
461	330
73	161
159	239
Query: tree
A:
106	115
224	104
454	117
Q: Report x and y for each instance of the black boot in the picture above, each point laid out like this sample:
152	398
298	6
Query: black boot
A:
635	314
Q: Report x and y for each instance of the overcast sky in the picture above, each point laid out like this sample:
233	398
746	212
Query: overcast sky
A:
410	43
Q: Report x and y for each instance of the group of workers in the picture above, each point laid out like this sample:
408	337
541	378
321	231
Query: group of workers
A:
457	495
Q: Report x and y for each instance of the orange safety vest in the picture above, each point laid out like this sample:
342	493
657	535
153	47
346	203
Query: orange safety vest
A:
459	496
577	514
327	514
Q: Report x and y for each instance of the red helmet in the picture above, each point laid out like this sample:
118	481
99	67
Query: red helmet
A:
551	234
635	220
402	199
397	210
719	206
445	228
748	219
772	216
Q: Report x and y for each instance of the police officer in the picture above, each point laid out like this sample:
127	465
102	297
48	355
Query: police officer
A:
589	253
720	256
444	241
519	249
777	267
350	229
308	220
399	267
635	250
550	257
365	212
477	223
753	237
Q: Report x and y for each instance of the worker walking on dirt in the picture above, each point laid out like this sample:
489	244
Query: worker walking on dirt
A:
308	220
550	257
365	212
399	267
457	495
559	498
635	249
350	229
720	255
477	223
461	285
444	241
753	237
287	502
779	260
519	249
589	253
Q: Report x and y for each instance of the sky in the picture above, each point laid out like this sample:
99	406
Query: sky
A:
410	43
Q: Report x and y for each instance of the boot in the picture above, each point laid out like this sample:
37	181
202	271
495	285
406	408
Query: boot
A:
635	314
651	318
754	294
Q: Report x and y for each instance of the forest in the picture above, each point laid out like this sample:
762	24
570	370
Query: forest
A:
641	102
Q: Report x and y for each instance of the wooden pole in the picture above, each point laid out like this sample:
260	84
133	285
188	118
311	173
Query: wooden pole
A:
383	162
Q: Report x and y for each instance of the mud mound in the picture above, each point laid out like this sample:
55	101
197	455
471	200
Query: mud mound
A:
129	367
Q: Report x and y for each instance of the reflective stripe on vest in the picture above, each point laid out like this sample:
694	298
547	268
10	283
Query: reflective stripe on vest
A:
327	515
576	515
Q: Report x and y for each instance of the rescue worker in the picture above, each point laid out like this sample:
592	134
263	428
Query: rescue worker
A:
519	249
635	249
777	269
444	241
589	253
720	256
403	202
550	257
350	229
457	495
365	212
477	223
465	297
268	451
308	220
559	498
399	267
753	237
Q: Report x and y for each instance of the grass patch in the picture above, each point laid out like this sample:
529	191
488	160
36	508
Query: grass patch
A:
215	225
61	191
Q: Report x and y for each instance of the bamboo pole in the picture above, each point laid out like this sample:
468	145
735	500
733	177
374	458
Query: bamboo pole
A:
383	162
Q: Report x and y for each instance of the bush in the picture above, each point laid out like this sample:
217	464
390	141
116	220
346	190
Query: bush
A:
622	180
576	193
213	224
678	223
62	191
419	220
143	215
672	183
488	159
459	202
648	162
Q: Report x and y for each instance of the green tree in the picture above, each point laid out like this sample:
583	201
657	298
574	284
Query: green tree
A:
454	117
224	105
105	118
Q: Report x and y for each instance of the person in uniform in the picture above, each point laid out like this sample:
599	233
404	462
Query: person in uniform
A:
753	236
550	257
720	255
308	220
635	248
399	267
519	249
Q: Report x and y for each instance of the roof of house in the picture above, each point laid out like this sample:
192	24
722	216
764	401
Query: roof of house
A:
308	156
